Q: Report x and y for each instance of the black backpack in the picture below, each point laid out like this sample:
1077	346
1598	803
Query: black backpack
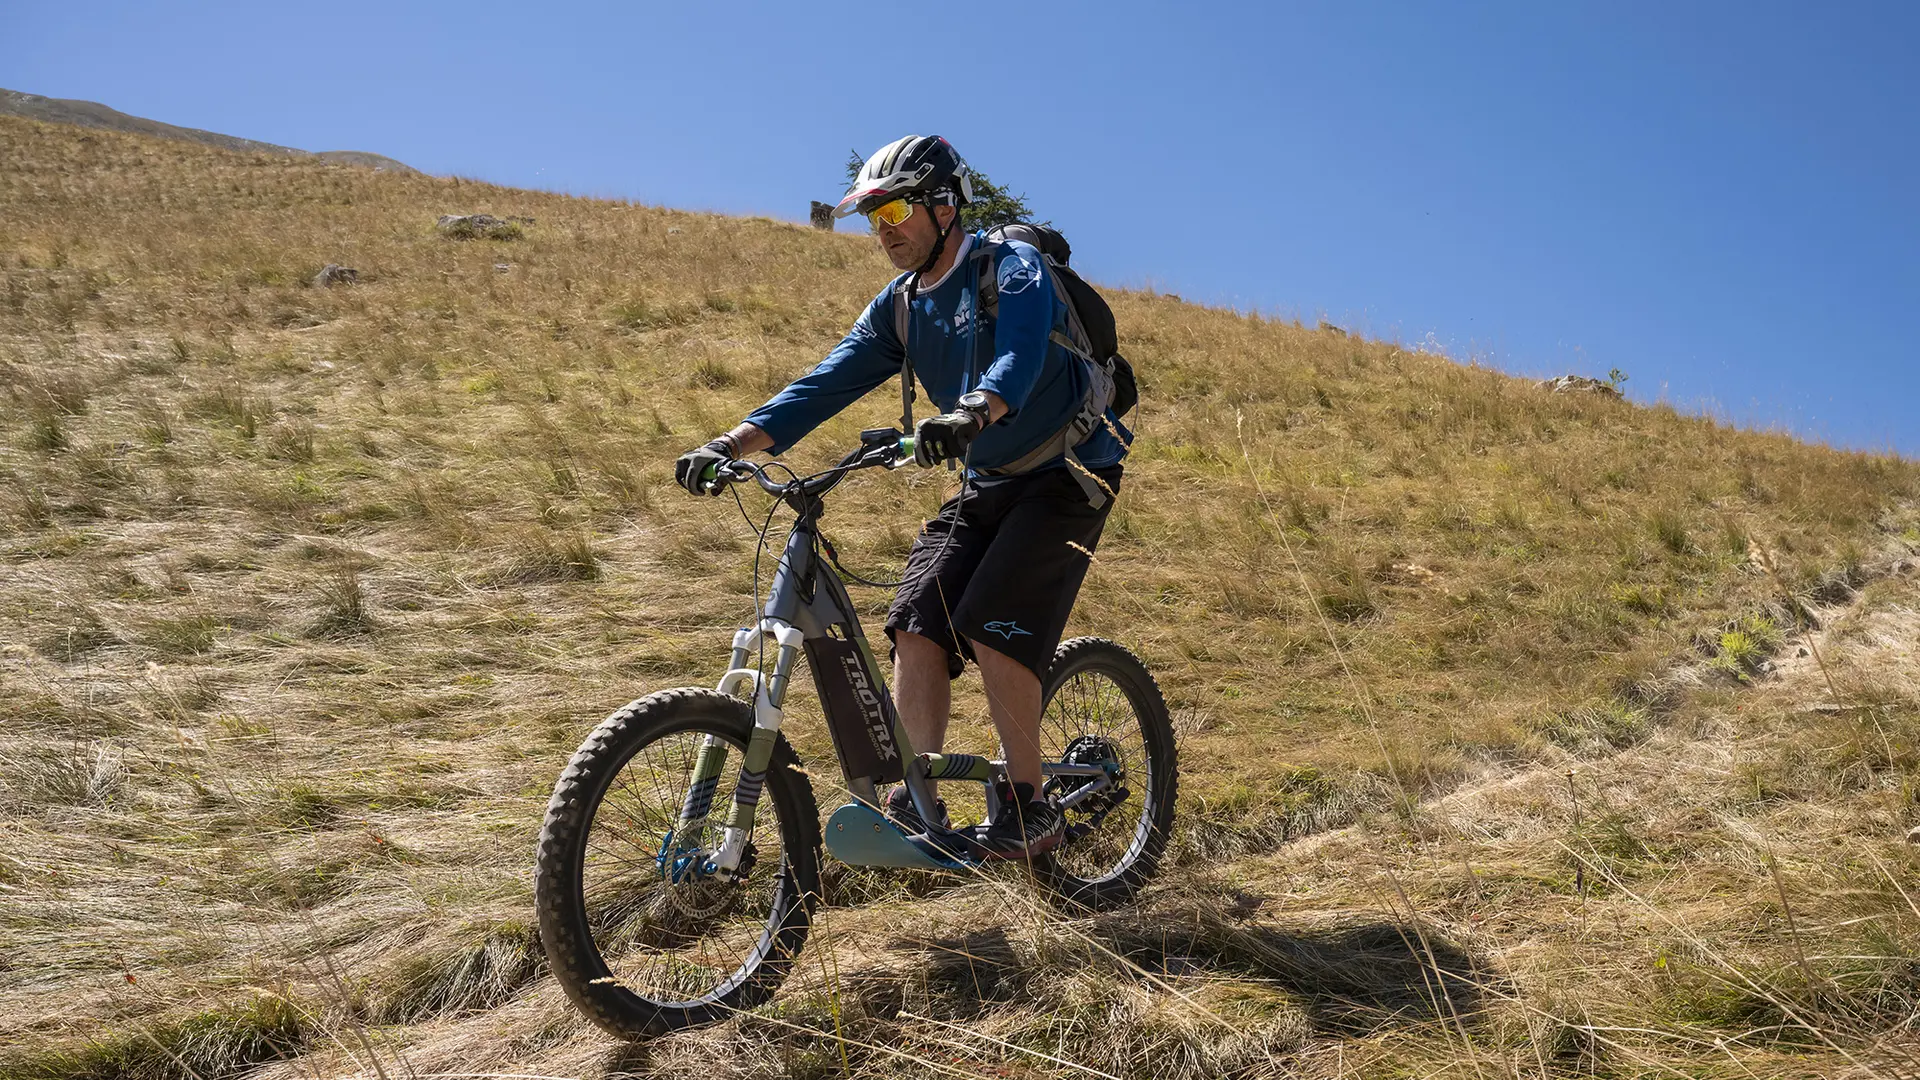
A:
1096	318
1091	336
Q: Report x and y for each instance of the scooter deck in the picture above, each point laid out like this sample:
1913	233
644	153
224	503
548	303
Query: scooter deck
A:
859	835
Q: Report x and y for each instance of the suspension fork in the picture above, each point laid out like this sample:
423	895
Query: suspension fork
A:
768	696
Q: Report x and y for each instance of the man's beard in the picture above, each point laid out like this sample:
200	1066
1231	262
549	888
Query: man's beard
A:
908	256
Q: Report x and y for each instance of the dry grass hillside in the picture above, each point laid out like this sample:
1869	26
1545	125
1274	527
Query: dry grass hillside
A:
92	114
1499	756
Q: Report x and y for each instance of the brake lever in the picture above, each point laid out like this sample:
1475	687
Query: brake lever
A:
733	472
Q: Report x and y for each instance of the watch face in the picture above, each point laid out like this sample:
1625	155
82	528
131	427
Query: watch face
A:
973	399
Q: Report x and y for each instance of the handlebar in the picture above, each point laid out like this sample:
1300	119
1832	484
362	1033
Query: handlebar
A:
882	447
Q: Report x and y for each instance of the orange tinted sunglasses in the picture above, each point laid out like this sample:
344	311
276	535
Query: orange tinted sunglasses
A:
890	213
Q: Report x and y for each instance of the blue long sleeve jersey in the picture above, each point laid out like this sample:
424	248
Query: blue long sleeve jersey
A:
1014	357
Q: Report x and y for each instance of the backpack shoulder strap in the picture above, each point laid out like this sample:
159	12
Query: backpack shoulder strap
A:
986	261
903	289
902	311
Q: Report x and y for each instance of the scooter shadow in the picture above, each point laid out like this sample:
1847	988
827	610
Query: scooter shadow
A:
1350	973
1344	974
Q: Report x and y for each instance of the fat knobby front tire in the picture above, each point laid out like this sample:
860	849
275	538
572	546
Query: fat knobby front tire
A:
630	932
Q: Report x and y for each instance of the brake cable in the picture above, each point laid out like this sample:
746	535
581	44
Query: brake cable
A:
826	545
834	558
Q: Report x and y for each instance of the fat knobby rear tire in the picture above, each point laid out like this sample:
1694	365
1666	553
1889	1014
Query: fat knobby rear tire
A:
1114	663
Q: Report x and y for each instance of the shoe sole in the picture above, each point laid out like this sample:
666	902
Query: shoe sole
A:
1038	847
916	827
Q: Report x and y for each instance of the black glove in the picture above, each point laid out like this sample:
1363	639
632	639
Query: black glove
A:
948	435
693	464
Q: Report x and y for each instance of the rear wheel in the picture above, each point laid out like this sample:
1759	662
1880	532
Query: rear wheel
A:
641	935
1102	707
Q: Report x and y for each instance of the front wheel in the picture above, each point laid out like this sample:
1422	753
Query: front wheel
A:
642	934
1103	707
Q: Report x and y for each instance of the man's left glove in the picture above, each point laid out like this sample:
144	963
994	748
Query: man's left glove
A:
948	435
692	465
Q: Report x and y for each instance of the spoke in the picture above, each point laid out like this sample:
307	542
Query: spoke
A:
1092	704
668	940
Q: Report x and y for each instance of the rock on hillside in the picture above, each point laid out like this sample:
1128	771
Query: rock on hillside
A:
95	115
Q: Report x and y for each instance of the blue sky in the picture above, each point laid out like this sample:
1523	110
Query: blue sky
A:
1722	200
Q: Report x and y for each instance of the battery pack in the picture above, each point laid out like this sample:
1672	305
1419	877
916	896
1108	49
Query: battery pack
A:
859	710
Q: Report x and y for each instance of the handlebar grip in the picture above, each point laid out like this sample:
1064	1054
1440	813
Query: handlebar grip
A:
906	446
712	477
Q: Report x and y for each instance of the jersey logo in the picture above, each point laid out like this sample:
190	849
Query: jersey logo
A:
1007	629
1017	272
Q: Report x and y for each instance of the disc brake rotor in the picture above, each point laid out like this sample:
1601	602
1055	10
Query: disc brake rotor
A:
1092	750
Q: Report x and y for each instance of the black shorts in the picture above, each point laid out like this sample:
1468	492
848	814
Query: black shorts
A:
1008	576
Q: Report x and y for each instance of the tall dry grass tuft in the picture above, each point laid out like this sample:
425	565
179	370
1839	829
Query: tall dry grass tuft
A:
219	1042
76	775
343	606
477	976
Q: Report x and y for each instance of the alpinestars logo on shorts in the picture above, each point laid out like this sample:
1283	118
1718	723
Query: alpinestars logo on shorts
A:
1007	629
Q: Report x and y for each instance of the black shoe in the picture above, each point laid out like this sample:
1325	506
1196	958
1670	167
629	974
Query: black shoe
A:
1026	825
901	809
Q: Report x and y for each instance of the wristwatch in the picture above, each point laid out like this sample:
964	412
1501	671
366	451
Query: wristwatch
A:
975	402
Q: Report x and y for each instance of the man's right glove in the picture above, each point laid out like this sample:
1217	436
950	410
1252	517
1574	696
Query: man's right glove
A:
692	465
948	435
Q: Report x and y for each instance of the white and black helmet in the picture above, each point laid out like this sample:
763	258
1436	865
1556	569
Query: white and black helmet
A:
923	165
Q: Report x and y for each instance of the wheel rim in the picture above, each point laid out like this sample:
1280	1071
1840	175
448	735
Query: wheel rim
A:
687	941
1090	702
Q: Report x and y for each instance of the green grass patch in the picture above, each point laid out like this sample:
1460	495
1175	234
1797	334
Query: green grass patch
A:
1741	649
1596	728
219	1044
